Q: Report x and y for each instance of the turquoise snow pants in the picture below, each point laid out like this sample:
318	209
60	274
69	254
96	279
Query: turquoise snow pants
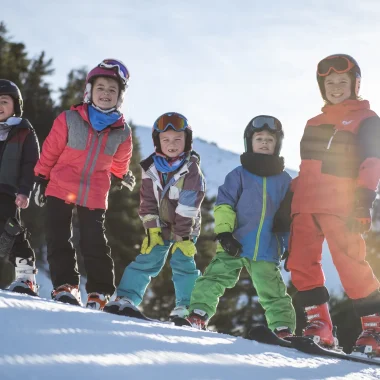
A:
138	274
224	271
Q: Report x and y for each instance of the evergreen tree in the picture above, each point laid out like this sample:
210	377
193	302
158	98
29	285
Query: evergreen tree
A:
124	228
30	76
73	92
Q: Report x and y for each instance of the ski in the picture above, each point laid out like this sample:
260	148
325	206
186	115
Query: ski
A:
135	313
178	321
23	290
308	346
263	334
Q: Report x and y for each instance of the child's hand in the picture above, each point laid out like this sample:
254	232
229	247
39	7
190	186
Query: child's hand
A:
154	238
187	247
229	243
22	201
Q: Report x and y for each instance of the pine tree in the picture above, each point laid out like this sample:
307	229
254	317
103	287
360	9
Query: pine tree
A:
73	92
30	76
124	228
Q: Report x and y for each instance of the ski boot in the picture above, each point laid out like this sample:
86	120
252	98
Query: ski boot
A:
368	341
67	294
283	332
179	312
198	319
319	326
25	281
97	301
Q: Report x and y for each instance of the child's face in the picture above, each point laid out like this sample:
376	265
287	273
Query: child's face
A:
338	87
172	142
263	142
6	107
105	93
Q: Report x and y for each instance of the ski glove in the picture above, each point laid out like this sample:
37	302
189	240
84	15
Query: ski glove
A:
128	180
39	190
360	219
187	247
154	238
229	243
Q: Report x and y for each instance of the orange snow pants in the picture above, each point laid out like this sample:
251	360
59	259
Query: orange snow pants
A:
347	249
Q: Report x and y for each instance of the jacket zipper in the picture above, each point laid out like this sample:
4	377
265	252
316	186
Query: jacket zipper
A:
331	139
263	212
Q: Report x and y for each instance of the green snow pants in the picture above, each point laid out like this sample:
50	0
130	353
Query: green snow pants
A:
224	271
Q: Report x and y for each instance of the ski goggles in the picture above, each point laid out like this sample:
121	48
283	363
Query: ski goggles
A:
172	120
122	70
263	121
340	64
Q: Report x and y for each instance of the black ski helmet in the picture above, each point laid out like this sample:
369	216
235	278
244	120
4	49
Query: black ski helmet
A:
260	123
9	88
188	132
354	72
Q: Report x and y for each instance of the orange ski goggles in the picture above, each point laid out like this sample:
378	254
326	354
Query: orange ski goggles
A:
338	63
172	120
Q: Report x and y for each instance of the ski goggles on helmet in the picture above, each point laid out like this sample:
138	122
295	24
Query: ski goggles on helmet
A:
110	63
338	63
263	121
172	120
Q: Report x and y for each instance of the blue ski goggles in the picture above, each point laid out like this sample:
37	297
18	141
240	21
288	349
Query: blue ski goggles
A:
122	70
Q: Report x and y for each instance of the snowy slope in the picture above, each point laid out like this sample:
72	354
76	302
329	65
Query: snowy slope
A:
216	163
43	339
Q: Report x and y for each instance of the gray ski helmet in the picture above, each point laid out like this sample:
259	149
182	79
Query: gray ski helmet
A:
9	88
332	62
260	123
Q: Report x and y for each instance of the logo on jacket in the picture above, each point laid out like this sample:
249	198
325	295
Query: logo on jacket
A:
344	122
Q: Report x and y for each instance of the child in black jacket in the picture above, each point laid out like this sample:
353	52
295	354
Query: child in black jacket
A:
19	153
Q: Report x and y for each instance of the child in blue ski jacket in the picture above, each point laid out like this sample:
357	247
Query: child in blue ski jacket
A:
252	222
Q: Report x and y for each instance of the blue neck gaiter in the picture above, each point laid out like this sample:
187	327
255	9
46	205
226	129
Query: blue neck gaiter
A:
100	120
163	165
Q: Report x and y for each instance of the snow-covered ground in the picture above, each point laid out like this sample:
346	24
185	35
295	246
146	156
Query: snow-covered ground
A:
42	339
216	163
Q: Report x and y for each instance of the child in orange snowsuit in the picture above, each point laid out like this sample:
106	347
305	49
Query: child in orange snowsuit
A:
333	195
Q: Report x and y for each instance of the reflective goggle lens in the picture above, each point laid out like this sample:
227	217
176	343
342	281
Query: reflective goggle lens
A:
339	64
111	63
266	121
170	120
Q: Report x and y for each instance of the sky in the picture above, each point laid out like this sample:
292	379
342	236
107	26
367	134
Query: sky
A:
218	62
45	340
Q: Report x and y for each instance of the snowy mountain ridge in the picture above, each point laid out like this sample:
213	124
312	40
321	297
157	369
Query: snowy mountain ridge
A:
216	162
44	340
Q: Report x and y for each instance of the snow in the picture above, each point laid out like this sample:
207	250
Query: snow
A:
216	163
42	339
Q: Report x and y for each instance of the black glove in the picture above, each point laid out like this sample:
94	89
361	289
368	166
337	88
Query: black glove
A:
229	243
285	257
360	219
39	190
128	180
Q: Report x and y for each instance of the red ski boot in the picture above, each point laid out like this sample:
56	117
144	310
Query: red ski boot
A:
198	319
319	326
369	340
